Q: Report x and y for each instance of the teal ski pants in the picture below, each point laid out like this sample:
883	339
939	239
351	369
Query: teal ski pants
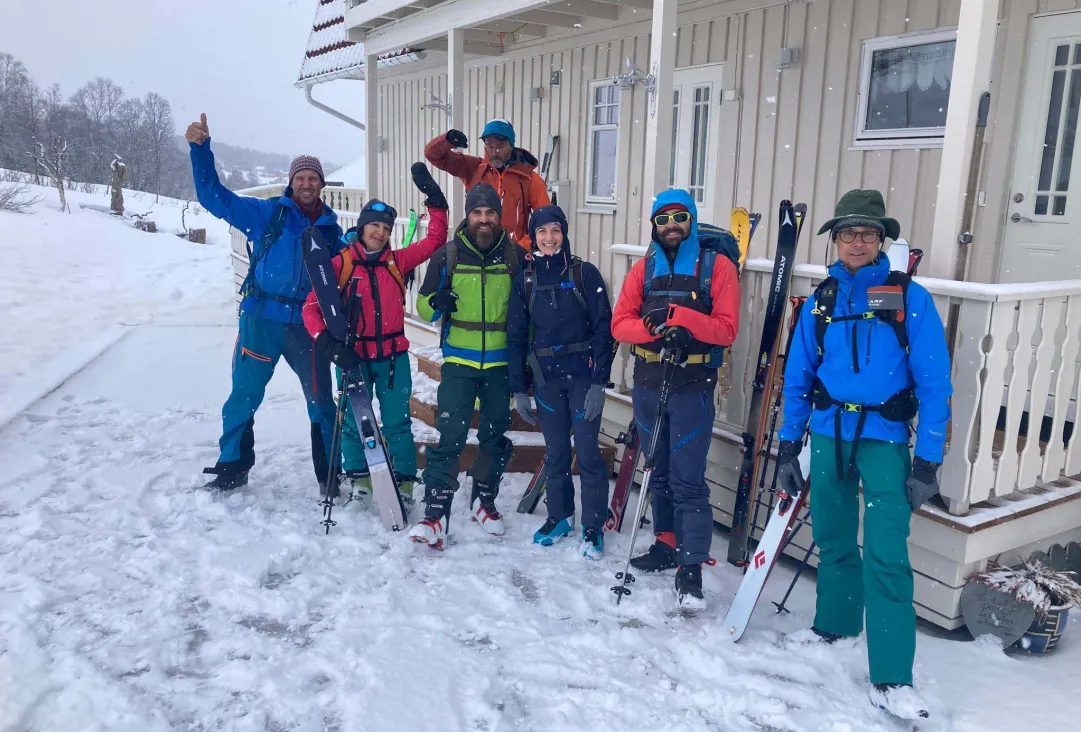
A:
878	584
393	416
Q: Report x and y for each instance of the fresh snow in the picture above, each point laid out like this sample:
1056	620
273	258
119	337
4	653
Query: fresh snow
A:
130	599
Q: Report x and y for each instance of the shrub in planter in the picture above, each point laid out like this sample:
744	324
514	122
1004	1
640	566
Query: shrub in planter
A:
1049	592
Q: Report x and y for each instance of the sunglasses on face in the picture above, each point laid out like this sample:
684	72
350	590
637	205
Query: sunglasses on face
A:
848	236
680	217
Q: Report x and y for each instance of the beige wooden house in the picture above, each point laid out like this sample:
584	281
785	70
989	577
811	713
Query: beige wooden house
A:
748	102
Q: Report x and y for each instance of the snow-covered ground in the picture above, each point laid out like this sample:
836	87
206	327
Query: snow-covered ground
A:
132	600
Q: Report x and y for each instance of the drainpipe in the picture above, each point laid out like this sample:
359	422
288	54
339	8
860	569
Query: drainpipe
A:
330	110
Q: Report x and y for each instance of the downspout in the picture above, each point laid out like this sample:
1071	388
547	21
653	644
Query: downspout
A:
329	110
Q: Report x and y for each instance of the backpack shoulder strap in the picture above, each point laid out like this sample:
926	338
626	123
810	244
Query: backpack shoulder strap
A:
899	321
825	299
707	259
579	281
396	273
277	224
529	280
510	253
452	261
348	264
647	279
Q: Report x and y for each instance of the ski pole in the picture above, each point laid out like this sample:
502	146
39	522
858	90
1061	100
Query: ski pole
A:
625	577
353	299
799	570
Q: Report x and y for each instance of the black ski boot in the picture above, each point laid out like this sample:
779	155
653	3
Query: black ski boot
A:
689	588
483	510
432	529
826	636
660	557
228	476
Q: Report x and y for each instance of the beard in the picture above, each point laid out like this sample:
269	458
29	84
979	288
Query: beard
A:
670	238
483	238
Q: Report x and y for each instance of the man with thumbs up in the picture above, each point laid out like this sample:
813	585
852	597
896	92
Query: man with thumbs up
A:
273	293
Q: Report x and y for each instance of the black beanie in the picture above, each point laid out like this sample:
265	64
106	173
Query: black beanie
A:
483	195
375	211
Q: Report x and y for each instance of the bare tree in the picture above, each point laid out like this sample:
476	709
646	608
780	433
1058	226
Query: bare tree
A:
160	130
53	164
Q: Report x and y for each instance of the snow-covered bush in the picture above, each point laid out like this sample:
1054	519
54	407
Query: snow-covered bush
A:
15	197
1033	583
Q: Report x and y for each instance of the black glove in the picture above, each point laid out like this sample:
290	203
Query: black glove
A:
339	353
922	483
790	479
457	138
655	319
677	338
423	180
444	301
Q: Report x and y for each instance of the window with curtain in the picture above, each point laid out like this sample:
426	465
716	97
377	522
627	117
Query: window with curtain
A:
906	87
603	141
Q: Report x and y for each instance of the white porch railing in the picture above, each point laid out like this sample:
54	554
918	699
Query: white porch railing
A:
346	202
991	374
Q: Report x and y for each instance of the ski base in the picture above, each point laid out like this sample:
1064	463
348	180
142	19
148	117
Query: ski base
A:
617	506
761	564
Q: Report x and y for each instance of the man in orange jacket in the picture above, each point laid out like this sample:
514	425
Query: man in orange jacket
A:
668	303
509	169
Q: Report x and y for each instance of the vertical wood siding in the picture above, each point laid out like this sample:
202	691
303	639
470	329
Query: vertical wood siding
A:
787	134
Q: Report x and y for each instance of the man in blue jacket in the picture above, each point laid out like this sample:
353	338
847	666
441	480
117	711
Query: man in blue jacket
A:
564	302
270	314
869	354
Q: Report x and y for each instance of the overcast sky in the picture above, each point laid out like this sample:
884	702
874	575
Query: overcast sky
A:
236	60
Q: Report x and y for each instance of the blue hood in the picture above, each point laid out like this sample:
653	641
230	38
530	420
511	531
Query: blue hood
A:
687	256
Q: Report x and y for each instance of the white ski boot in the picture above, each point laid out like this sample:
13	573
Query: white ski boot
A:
900	700
689	588
485	513
357	488
432	530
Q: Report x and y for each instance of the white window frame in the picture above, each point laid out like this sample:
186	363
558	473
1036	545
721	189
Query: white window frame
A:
895	138
590	198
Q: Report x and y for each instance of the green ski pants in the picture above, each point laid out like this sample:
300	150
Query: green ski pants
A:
881	581
396	424
459	388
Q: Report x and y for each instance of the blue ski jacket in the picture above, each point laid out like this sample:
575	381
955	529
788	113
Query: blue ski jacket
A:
884	367
558	319
280	279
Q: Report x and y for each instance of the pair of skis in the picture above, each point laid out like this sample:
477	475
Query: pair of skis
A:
742	226
782	525
385	491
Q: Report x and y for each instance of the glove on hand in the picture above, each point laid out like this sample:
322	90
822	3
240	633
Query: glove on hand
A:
457	138
444	301
422	179
922	483
525	409
339	354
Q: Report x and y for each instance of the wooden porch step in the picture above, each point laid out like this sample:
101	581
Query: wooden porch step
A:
524	459
427	414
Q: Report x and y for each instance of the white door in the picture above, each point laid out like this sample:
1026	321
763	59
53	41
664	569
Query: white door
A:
695	136
1041	240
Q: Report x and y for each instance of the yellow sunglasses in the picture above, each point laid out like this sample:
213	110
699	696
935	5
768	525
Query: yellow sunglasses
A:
680	217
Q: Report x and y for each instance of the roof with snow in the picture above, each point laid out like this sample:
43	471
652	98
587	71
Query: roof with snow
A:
352	175
330	54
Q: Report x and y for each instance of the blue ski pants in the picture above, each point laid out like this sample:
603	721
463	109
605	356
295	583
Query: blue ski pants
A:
561	408
680	496
259	345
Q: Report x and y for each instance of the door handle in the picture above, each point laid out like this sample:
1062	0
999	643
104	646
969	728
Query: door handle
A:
1019	219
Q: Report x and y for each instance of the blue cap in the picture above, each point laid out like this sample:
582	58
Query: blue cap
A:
499	127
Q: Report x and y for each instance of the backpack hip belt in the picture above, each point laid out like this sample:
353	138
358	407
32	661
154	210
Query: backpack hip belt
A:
655	356
901	407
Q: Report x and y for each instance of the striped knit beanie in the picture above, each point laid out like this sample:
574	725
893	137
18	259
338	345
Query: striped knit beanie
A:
306	162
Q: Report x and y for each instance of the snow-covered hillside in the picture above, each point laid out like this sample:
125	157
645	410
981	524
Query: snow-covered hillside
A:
132	600
70	276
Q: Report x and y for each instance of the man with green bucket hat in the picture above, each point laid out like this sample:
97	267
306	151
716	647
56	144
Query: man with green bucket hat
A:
868	356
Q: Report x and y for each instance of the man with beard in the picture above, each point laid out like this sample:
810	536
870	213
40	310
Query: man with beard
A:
274	291
509	169
672	300
468	285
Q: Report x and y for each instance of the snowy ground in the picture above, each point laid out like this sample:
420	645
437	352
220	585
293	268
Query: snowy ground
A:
131	600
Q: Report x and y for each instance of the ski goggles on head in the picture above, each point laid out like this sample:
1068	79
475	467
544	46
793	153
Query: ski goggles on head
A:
679	217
